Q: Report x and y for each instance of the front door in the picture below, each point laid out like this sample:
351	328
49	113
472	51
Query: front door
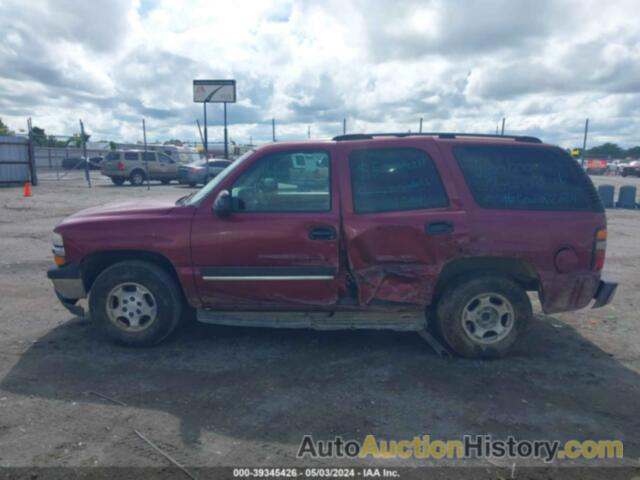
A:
279	246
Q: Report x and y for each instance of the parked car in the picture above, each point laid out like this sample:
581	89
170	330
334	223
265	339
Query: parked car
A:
196	172
460	227
73	163
132	165
95	162
631	170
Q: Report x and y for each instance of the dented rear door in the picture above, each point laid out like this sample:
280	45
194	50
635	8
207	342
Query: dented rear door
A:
402	218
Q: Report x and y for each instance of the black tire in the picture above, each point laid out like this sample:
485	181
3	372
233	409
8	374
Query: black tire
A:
460	335
192	185
117	181
165	295
137	178
165	182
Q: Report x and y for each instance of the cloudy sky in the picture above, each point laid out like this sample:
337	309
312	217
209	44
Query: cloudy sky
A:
461	65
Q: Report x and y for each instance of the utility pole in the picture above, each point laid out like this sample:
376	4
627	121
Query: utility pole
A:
206	142
308	131
420	129
226	144
503	120
84	154
344	126
273	129
146	157
584	141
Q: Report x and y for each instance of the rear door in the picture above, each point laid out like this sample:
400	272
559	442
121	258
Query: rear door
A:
402	218
279	246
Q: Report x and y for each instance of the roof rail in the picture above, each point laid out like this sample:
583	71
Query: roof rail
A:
370	136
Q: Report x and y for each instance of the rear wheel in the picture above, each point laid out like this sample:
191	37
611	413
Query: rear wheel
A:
483	317
117	181
135	303
137	178
165	182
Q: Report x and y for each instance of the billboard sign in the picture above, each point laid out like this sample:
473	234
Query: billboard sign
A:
214	91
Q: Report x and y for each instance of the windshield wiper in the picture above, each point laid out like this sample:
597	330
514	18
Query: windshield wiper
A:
182	200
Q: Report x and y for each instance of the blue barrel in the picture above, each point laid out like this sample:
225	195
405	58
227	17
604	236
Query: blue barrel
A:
627	197
606	195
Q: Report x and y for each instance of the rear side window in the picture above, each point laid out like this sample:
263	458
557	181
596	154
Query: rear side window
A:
112	156
526	178
131	156
394	179
148	156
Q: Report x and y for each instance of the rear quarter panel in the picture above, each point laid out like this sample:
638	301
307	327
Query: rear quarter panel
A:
535	238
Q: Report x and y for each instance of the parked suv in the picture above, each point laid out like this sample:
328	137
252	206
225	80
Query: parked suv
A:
132	165
404	232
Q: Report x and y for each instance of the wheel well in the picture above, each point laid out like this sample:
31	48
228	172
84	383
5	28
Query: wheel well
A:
94	264
517	270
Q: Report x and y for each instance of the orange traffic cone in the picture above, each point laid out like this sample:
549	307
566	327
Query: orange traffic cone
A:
27	189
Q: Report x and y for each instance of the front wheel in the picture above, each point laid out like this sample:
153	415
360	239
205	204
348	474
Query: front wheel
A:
135	303
117	181
136	178
482	317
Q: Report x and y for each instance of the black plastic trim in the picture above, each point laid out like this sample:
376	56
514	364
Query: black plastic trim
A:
68	271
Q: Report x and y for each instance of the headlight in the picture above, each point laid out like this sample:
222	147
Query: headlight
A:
58	249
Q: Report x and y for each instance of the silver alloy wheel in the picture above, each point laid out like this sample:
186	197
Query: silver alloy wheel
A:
131	307
488	318
137	178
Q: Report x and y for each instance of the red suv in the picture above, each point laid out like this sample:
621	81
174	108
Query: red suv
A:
396	231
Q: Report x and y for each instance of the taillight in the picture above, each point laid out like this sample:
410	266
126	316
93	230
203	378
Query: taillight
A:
599	249
120	166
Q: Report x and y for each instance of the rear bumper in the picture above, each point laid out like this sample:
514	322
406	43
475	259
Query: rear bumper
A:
604	294
69	287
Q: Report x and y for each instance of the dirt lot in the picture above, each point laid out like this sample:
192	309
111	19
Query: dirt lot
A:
231	396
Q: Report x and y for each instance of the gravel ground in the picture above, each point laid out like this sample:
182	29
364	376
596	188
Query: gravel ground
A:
220	396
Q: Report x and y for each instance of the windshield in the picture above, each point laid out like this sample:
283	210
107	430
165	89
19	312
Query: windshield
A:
215	181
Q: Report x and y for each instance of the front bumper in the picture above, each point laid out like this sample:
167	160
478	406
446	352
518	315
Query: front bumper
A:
604	294
69	287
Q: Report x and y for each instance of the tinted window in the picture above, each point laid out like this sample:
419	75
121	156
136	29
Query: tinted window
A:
219	164
272	184
386	180
525	178
113	156
164	158
131	155
148	156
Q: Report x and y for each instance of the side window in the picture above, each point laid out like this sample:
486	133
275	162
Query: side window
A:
131	156
112	156
272	184
164	158
148	156
394	179
525	178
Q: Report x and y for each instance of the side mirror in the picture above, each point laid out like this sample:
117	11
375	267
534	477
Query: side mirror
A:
222	204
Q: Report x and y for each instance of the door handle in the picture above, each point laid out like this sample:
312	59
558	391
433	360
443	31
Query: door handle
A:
439	228
322	233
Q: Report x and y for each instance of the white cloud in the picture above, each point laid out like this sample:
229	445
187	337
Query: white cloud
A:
460	65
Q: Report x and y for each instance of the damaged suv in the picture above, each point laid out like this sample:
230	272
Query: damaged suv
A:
446	232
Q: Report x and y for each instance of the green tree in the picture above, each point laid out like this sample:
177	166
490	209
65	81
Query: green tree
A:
76	140
633	152
112	146
39	137
174	141
4	130
606	150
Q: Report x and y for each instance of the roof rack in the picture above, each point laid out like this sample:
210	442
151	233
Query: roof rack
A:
370	136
